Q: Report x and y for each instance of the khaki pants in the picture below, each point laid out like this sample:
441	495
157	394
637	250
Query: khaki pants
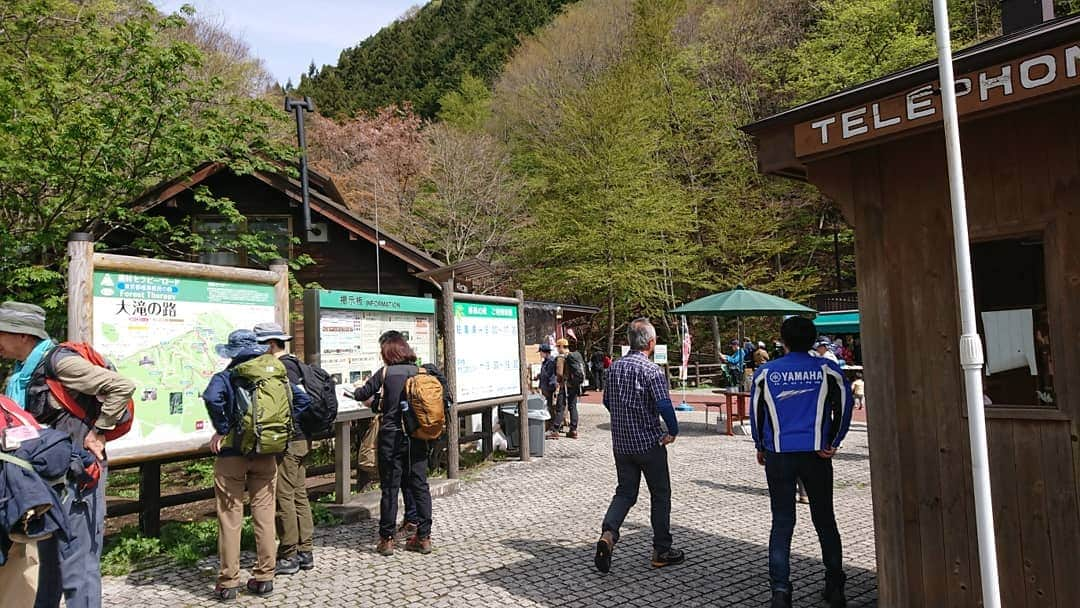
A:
294	524
231	475
19	576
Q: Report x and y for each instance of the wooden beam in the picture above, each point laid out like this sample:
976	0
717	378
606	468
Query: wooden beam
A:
179	186
80	288
187	270
526	380
453	432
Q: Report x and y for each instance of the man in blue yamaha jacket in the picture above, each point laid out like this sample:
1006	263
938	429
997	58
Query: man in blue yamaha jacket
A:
801	411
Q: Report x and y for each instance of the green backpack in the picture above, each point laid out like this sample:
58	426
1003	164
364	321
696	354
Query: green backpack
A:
263	406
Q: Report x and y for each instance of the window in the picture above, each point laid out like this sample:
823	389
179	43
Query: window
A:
1010	298
218	233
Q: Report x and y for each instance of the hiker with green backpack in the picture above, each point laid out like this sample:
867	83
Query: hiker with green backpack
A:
251	405
410	401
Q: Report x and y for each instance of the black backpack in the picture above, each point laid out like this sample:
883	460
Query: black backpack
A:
318	419
575	369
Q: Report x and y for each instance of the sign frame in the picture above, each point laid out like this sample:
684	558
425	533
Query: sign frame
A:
450	298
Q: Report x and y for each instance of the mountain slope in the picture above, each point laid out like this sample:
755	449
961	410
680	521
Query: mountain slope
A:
425	54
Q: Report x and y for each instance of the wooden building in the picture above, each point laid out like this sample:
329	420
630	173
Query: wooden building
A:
878	151
342	244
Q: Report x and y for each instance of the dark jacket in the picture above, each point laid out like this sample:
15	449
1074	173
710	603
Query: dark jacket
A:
548	381
221	400
387	385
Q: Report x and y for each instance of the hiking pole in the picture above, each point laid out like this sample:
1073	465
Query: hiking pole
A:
971	350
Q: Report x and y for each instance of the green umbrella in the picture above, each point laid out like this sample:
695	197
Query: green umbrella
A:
743	302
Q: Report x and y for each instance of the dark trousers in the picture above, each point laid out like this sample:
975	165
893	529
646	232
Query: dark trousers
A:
549	398
816	475
629	468
568	396
403	467
72	568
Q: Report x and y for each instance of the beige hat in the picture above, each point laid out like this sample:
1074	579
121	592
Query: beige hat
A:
21	318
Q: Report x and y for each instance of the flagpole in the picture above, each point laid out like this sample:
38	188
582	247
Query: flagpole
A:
971	350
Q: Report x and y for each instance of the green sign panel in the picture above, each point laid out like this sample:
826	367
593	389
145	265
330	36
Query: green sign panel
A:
145	287
497	311
352	300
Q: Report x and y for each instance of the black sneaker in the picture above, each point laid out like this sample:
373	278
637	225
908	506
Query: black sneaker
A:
671	557
780	599
287	565
260	587
225	594
603	554
307	560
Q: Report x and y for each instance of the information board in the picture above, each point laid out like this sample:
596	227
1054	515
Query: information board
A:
488	359
350	324
660	354
161	332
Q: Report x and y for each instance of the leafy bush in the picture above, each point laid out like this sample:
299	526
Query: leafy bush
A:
126	550
323	517
201	471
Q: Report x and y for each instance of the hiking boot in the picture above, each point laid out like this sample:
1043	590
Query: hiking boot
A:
552	435
671	557
780	599
225	594
833	593
287	565
571	435
385	546
307	560
419	545
260	587
604	547
406	530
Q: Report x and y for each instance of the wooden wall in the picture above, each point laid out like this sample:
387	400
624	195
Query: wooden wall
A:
345	262
1023	177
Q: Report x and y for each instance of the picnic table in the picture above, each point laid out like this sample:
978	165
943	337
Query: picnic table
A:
736	402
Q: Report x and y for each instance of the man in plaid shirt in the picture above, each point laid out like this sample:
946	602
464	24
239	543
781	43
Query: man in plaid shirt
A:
637	395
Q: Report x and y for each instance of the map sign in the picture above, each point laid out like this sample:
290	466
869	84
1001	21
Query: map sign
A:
350	324
161	332
488	354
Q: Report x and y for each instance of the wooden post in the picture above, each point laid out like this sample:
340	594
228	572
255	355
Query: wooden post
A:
150	498
488	441
280	267
453	433
526	380
80	326
342	462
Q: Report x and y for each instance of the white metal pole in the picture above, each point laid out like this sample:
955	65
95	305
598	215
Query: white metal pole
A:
971	351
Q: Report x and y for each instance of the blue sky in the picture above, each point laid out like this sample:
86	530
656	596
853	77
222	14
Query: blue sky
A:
287	35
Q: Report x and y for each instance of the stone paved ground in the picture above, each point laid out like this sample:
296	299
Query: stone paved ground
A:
523	535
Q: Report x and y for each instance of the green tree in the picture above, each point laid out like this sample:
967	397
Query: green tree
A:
469	107
99	101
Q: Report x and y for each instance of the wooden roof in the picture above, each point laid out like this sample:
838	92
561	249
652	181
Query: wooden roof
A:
776	137
325	199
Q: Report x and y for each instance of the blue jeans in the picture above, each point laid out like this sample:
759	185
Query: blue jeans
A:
816	473
629	468
72	568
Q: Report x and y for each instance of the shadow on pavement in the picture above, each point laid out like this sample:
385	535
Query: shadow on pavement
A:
727	487
719	571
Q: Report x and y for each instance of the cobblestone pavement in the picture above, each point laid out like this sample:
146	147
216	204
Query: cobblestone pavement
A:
523	534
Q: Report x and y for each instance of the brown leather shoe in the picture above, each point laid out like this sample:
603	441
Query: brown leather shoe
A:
385	546
571	435
404	531
419	545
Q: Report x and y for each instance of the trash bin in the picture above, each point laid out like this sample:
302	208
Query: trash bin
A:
508	420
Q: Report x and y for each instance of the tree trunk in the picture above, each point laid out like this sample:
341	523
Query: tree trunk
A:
718	340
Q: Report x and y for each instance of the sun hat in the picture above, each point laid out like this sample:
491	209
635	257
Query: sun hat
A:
562	342
22	318
265	332
241	340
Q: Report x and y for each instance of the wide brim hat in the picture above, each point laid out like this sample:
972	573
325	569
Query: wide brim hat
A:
22	318
240	341
264	332
562	342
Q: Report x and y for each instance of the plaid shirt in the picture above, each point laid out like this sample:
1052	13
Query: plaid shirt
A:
634	386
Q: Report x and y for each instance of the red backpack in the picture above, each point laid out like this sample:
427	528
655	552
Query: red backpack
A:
71	404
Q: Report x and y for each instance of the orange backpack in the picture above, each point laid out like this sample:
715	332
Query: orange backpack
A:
71	404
